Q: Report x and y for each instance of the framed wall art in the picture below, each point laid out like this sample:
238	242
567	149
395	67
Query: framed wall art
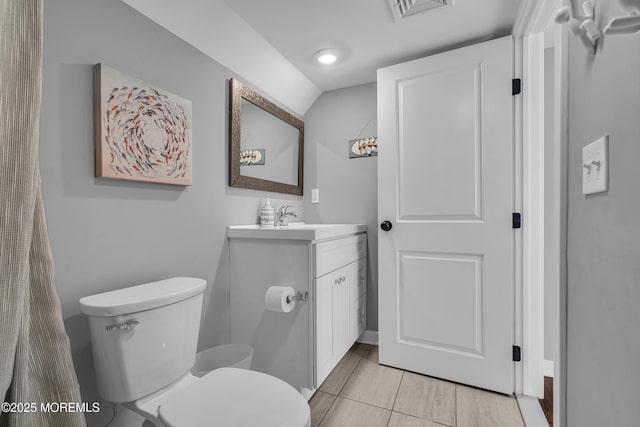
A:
363	147
143	133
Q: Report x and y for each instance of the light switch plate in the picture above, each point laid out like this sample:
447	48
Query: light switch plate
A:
595	166
315	195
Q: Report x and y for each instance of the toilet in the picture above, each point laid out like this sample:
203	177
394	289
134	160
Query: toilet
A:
144	342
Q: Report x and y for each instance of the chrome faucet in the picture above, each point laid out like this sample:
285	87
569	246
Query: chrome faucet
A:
283	214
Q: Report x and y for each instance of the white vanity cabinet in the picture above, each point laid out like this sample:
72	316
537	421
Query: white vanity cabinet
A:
329	262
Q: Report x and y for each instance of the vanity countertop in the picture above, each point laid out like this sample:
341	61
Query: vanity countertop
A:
295	231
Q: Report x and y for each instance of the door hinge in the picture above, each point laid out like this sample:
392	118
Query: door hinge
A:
516	86
517	353
516	220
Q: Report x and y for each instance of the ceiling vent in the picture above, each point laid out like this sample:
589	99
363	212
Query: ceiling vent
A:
405	8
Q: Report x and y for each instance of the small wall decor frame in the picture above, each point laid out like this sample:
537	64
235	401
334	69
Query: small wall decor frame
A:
363	147
143	133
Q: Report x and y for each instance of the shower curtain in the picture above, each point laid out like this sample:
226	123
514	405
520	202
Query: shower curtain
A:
35	357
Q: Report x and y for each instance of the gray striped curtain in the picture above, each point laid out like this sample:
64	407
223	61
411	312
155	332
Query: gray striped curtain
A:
35	357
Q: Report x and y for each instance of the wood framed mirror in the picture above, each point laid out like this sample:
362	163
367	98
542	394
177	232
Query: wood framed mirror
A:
266	144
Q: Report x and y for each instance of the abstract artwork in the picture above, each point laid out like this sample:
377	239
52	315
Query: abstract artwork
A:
143	133
363	147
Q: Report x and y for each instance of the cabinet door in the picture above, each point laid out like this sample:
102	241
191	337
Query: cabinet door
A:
358	317
358	288
342	306
325	349
359	284
333	320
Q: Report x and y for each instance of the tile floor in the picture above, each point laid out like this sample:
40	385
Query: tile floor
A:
360	392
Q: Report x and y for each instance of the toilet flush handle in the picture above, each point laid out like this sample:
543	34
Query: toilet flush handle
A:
129	326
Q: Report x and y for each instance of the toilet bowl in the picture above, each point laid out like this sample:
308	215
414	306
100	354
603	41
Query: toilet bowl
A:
144	344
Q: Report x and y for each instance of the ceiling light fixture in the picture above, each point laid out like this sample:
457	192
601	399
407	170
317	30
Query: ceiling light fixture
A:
327	56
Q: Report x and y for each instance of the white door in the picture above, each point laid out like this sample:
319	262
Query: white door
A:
446	185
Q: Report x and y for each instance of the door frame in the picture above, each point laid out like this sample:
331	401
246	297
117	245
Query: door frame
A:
529	38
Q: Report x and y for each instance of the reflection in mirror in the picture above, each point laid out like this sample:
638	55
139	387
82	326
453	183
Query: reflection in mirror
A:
270	144
266	144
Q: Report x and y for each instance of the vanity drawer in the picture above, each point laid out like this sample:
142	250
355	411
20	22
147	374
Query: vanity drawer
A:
337	253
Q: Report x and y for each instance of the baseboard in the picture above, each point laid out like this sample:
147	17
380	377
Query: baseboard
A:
369	337
307	393
547	368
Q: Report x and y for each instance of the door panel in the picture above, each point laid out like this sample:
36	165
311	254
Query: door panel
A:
426	303
440	142
445	181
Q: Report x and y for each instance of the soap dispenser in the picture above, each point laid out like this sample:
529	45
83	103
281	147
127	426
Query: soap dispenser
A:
267	215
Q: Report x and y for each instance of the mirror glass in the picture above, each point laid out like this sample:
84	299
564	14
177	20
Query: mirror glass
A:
269	145
266	144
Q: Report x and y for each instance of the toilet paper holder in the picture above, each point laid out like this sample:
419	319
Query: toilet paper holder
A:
299	296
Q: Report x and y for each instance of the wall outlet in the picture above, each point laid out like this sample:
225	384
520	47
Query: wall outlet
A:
595	166
315	195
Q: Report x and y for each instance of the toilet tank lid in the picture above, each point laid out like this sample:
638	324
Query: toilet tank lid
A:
142	297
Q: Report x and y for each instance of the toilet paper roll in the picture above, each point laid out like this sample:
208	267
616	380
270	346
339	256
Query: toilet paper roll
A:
280	299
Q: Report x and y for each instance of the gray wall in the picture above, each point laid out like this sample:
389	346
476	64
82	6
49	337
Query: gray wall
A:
603	324
111	234
348	187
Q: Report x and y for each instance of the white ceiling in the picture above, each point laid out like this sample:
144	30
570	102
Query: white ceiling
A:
215	29
271	43
365	33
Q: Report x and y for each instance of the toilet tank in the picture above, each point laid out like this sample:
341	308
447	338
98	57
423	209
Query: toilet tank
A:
144	337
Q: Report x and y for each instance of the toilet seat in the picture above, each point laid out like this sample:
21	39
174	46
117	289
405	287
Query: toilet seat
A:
231	397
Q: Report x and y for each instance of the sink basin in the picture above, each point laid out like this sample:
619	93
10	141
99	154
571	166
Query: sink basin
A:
295	231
